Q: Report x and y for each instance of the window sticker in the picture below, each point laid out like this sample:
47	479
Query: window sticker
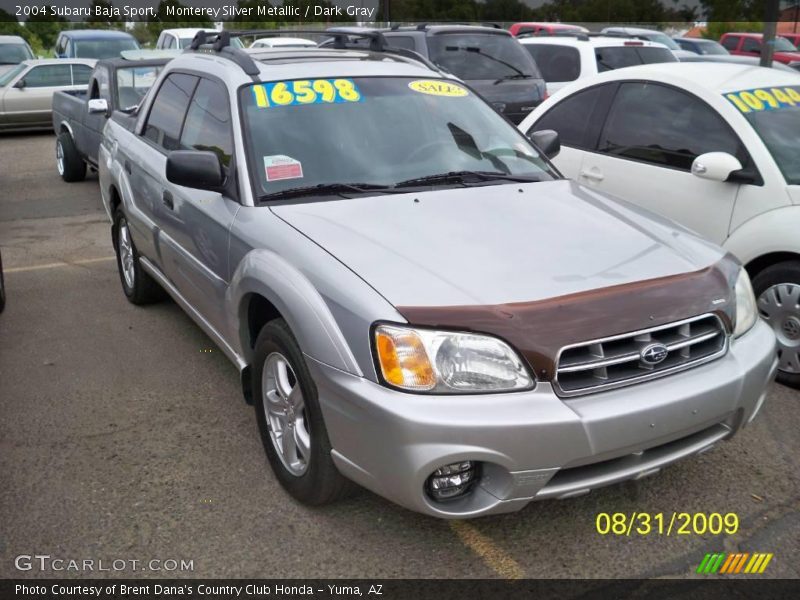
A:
306	91
435	87
280	167
761	99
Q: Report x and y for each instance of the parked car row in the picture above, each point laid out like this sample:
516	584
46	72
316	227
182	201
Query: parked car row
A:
415	299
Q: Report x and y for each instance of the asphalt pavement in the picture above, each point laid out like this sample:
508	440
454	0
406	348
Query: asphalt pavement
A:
123	436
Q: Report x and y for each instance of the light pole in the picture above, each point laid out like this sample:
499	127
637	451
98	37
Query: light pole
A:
771	12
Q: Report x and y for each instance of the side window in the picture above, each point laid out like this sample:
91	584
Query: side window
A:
751	45
59	49
49	76
574	117
730	42
557	63
81	74
401	41
68	48
169	109
663	126
169	42
208	122
100	89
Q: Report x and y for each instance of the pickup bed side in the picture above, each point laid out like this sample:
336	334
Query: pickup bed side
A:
71	115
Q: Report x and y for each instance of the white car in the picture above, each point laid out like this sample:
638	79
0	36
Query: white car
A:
650	35
283	42
181	38
713	146
563	58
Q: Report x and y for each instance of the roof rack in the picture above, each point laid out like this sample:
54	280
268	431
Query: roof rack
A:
219	43
378	43
527	33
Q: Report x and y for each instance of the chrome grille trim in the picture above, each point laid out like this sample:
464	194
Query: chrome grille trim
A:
615	361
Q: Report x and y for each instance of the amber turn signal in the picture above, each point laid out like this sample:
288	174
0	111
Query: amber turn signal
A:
403	360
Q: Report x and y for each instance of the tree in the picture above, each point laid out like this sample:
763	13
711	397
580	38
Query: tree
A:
104	18
46	28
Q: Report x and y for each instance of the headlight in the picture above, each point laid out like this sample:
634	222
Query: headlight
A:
746	312
444	362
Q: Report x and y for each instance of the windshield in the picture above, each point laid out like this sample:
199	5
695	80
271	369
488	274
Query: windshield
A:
103	48
133	83
663	38
617	57
6	78
186	42
784	45
481	55
377	131
710	47
13	54
775	115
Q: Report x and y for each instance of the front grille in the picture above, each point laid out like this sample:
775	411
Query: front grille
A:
617	361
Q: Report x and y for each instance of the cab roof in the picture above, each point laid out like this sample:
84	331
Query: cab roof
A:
96	34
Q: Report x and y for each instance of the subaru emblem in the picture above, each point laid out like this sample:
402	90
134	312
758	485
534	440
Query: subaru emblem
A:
654	354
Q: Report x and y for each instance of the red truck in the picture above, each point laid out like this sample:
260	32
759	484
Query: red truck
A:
749	44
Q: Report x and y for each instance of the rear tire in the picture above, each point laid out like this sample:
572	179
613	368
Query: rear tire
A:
290	420
777	290
2	287
69	163
137	285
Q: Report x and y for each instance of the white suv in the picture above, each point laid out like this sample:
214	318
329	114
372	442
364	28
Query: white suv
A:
563	59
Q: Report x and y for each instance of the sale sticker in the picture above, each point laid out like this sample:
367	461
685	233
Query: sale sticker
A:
280	167
435	87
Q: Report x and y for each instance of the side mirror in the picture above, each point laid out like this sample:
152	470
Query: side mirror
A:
716	166
20	85
198	169
547	141
98	106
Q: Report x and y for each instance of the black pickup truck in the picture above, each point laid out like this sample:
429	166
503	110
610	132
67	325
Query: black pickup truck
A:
79	116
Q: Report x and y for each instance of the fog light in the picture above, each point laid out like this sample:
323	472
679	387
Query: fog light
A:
451	481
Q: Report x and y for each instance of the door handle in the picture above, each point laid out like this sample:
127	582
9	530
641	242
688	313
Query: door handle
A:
593	175
166	198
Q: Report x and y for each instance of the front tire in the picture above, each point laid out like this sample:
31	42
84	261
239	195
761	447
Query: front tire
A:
777	289
290	419
69	163
138	286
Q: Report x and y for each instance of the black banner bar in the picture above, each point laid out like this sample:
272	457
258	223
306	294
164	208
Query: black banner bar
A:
709	587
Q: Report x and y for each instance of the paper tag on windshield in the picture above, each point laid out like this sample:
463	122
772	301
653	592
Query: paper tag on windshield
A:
281	166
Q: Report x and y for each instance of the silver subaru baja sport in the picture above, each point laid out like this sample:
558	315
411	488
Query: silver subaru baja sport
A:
416	300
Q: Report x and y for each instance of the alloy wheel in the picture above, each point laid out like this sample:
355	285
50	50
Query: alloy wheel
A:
287	418
126	254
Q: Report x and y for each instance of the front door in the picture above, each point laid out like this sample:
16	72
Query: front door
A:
645	151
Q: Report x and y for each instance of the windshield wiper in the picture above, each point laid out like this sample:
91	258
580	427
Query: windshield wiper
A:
325	189
512	76
462	176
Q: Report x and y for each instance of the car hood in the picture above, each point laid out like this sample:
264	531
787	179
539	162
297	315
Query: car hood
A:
497	244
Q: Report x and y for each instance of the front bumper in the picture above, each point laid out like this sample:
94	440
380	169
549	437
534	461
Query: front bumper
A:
535	445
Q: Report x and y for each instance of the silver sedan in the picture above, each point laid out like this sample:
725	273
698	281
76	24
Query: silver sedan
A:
26	91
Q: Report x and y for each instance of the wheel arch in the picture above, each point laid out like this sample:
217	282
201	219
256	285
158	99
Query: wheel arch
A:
767	239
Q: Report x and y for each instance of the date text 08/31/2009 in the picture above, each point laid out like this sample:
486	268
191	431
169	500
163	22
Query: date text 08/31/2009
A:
676	523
